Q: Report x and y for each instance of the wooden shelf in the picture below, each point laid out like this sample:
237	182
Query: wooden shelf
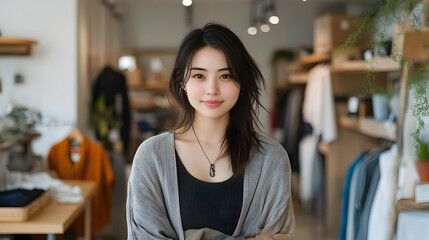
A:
377	64
370	127
411	205
15	46
298	78
150	86
293	80
350	122
323	147
315	58
8	141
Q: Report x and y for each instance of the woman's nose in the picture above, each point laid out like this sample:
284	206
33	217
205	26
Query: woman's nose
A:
212	87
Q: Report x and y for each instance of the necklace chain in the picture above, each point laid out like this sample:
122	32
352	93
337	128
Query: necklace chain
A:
212	166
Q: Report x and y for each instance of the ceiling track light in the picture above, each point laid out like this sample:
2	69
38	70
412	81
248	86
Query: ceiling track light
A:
265	27
271	12
187	3
262	14
253	30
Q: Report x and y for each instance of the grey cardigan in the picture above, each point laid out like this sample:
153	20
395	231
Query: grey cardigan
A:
153	210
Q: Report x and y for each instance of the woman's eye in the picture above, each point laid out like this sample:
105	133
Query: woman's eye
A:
225	76
199	76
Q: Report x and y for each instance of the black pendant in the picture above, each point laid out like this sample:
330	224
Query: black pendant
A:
212	170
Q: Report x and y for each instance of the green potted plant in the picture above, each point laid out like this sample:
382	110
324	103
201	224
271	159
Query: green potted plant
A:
422	163
103	120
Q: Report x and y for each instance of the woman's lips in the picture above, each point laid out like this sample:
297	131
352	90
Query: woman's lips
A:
212	103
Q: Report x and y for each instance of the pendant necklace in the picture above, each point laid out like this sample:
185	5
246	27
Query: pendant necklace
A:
212	166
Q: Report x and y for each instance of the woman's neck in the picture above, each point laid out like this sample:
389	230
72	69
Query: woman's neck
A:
210	130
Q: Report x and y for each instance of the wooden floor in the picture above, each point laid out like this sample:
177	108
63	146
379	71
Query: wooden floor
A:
308	226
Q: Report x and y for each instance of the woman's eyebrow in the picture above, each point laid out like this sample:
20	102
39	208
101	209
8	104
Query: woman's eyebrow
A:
203	69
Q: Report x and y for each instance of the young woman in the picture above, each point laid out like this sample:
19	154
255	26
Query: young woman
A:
213	176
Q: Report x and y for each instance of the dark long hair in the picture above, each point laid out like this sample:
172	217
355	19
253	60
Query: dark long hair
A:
240	136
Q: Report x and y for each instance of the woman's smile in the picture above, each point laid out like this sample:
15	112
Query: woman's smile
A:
212	103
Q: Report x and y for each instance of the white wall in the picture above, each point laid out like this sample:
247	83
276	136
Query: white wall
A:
50	72
157	24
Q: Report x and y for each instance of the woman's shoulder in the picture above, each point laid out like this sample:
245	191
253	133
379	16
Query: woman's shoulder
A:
271	152
270	145
161	138
155	145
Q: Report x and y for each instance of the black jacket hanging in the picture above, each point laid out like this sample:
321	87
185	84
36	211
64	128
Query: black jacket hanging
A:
112	85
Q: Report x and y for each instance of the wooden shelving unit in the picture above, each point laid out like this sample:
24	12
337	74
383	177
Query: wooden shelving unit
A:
294	79
15	46
8	141
150	86
411	205
377	64
370	127
298	78
350	122
414	51
315	58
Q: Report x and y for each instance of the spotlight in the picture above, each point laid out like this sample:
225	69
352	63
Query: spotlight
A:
187	3
265	27
252	30
274	19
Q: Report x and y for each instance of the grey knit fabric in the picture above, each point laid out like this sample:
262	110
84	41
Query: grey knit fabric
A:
153	198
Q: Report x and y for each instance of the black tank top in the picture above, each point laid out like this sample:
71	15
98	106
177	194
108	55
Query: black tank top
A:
213	205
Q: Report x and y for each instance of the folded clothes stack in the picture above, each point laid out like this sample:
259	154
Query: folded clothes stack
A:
61	192
19	197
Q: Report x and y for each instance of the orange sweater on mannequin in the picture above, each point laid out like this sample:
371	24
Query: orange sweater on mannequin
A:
93	165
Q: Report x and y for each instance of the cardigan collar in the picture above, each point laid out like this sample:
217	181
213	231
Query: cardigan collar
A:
252	175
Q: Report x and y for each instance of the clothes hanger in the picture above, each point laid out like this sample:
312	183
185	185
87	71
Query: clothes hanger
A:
75	136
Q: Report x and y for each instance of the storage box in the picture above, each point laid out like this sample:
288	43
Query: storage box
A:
415	45
331	31
20	214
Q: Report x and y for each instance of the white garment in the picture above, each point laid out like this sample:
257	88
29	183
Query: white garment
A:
412	225
307	152
62	192
408	175
318	106
378	226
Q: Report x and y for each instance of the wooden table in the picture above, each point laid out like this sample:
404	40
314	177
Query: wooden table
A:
56	217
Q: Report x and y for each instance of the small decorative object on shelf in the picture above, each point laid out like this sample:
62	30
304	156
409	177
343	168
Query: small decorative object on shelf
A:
422	163
422	193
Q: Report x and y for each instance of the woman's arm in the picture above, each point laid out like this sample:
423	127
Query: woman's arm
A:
276	221
146	212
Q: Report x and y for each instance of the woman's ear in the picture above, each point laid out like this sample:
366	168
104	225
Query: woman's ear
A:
183	88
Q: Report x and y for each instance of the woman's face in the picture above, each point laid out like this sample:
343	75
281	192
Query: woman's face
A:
210	89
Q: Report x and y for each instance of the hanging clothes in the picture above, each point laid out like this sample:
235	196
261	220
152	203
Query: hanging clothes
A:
346	194
94	165
288	117
378	227
318	110
112	85
318	107
293	126
307	156
362	191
